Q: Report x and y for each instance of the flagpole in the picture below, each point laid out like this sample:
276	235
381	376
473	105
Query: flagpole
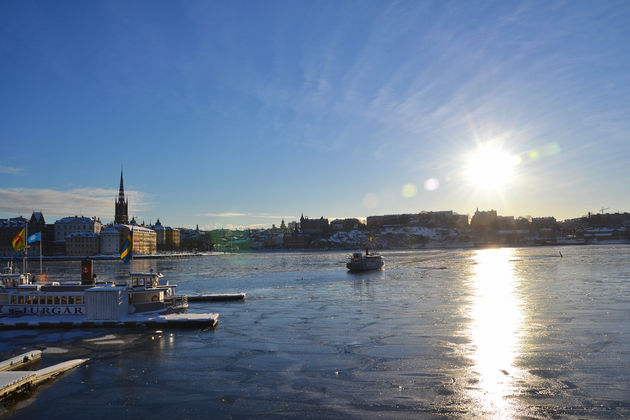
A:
25	263
40	254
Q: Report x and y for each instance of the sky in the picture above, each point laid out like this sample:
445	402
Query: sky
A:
243	113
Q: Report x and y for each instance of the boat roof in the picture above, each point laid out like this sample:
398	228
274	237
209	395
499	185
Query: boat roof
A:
150	274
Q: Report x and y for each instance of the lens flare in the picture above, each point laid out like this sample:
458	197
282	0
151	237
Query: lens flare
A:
409	190
371	201
431	184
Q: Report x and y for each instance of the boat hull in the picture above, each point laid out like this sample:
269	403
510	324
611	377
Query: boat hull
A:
357	266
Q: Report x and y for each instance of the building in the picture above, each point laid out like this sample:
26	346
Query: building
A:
485	226
347	225
110	241
121	214
160	233
167	238
315	227
172	238
144	239
82	244
69	225
9	228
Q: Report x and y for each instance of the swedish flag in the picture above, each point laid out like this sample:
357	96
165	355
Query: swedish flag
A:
127	248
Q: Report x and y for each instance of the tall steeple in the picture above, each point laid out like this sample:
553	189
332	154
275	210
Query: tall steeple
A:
121	205
121	191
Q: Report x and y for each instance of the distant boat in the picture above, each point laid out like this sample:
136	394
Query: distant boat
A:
365	262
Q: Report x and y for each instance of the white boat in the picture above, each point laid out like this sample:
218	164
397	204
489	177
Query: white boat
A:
364	262
142	293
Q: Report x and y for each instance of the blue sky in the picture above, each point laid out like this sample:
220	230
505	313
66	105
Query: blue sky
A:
244	113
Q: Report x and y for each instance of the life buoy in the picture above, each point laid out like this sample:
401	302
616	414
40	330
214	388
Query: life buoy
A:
155	298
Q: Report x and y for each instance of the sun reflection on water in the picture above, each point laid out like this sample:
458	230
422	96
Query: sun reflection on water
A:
495	327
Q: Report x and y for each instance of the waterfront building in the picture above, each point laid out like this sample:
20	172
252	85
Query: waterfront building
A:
295	241
316	227
82	244
11	227
388	220
172	238
76	224
110	241
144	239
347	225
8	229
167	238
121	214
160	233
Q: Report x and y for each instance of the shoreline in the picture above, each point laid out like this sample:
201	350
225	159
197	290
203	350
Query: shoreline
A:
272	250
114	257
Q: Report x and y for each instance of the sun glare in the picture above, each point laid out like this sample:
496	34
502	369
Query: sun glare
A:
490	167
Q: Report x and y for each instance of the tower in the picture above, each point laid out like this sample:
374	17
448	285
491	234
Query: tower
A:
121	215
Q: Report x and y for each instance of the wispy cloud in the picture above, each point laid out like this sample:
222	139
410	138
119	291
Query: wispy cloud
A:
10	170
85	201
252	215
231	226
223	214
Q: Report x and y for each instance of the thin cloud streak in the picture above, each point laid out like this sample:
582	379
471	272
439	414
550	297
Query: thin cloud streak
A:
9	170
260	216
97	202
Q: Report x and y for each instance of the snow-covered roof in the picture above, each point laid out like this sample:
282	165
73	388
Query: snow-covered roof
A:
75	219
109	230
135	228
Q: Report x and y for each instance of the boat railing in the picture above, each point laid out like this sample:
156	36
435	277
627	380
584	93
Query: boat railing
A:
179	300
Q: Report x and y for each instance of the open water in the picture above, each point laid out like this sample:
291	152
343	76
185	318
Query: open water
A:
493	333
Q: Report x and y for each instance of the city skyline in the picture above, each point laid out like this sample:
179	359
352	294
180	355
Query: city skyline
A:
243	114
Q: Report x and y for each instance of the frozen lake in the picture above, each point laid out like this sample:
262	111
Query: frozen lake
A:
501	333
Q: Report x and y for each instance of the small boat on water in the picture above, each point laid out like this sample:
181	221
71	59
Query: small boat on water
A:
144	297
365	262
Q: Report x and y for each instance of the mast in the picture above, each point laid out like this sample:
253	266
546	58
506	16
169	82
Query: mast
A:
24	260
40	254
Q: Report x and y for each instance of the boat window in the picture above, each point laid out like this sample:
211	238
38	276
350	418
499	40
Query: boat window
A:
79	300
28	300
64	300
49	300
56	300
141	282
35	300
21	300
71	300
13	300
134	283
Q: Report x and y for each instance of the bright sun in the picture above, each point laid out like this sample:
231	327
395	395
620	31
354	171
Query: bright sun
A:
489	167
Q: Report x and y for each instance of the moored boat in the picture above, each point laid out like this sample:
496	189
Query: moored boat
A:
141	297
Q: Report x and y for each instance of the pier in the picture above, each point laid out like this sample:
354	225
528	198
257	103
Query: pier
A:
217	297
14	382
209	320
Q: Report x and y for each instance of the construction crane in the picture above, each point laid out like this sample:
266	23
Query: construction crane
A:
603	208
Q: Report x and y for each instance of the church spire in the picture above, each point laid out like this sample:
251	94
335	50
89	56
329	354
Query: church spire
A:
121	191
121	205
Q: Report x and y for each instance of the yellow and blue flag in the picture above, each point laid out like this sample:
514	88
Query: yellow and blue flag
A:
127	248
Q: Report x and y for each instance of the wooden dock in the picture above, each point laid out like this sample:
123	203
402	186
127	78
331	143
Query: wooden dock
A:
187	320
14	382
20	361
217	297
